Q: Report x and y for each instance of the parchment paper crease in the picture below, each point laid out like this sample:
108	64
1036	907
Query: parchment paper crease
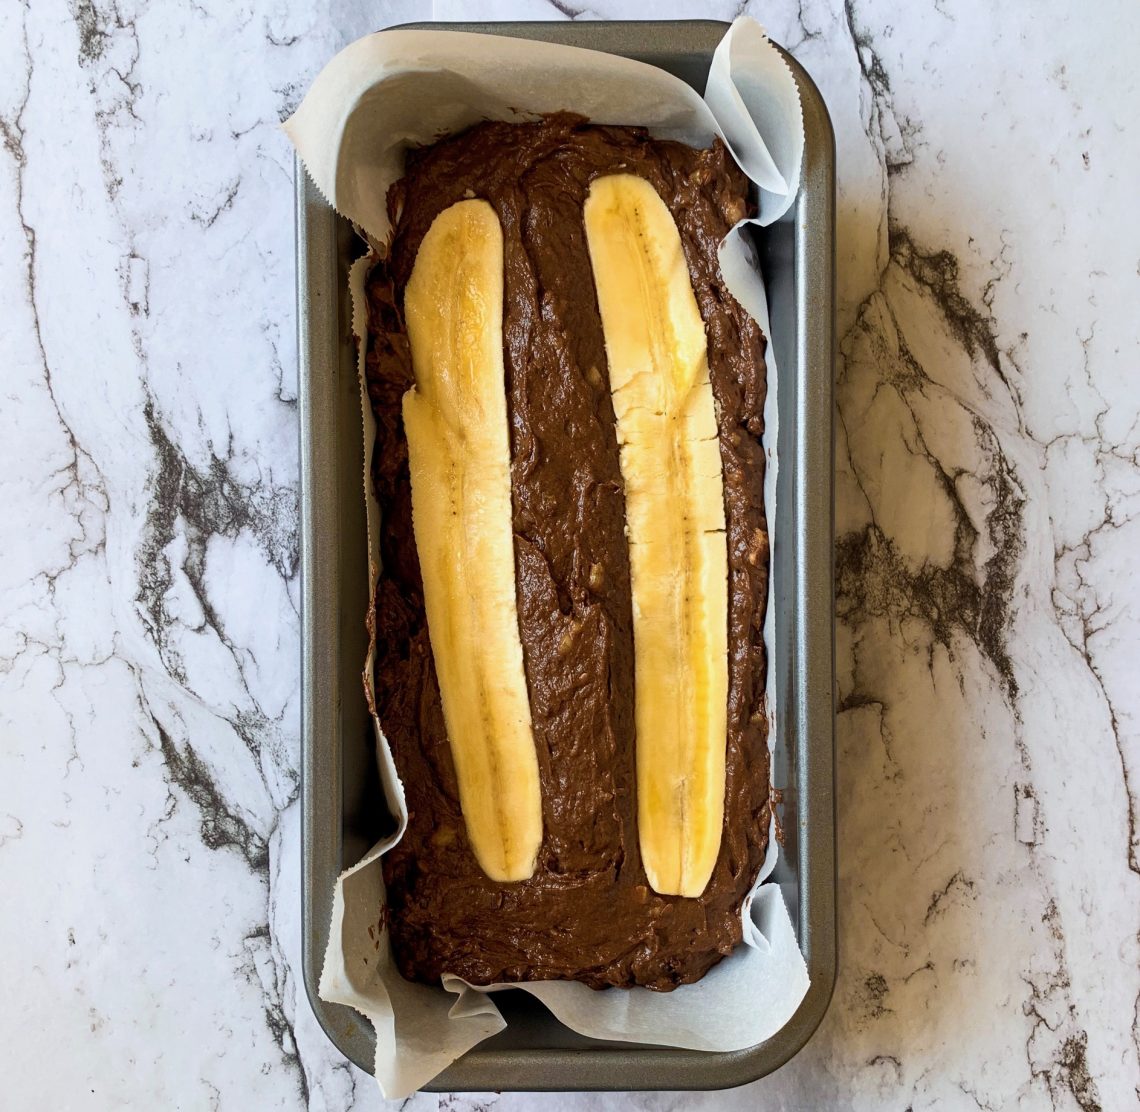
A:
376	98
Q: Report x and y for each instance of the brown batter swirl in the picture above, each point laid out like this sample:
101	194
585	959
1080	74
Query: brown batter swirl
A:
588	913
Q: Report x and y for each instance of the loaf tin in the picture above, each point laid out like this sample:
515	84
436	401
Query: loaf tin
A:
343	811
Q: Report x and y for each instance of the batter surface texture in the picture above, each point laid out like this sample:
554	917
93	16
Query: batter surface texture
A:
587	913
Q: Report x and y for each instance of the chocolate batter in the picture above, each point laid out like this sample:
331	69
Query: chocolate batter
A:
588	913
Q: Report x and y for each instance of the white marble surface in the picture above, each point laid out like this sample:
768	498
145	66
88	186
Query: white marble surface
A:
988	491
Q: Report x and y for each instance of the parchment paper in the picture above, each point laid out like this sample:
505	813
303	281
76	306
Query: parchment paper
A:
376	98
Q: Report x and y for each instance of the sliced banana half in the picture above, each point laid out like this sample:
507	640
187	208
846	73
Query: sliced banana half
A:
674	492
459	455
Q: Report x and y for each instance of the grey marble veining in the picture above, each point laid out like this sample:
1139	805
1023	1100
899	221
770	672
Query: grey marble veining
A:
987	494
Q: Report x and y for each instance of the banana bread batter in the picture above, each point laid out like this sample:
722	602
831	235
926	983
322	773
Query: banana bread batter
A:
587	913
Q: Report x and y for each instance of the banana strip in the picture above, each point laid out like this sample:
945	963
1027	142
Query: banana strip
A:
455	418
674	491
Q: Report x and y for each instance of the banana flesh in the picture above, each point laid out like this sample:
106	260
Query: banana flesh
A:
455	418
674	490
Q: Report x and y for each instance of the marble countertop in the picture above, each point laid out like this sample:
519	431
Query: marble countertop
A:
987	498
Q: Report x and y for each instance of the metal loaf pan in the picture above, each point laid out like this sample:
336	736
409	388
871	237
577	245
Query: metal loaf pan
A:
343	810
